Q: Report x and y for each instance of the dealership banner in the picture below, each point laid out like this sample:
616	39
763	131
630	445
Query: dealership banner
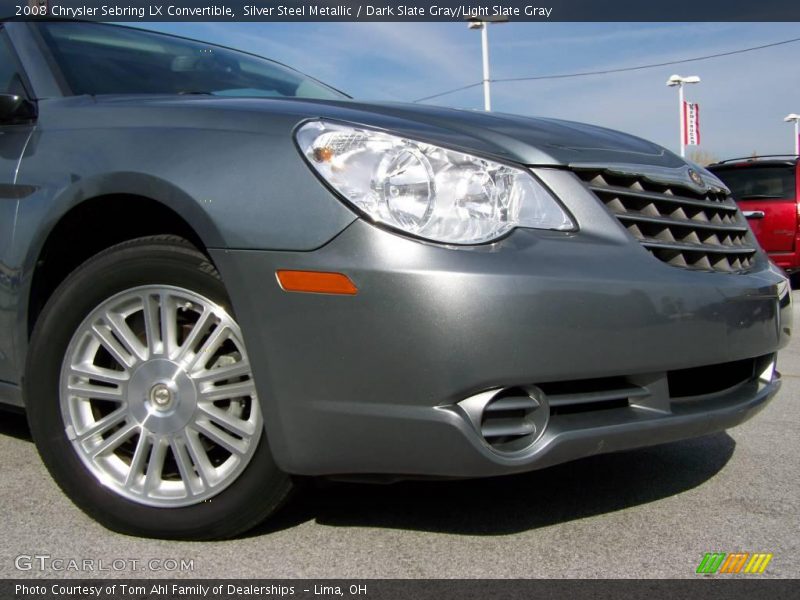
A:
400	10
708	588
691	124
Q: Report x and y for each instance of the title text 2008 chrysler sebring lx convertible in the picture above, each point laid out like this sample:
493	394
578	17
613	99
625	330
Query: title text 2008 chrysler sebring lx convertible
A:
218	273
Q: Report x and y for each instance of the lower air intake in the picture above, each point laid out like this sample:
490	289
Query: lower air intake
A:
509	420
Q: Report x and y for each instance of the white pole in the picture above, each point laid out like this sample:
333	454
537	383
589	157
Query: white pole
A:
680	116
487	98
797	137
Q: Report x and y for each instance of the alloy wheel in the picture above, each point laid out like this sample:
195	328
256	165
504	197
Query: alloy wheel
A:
158	398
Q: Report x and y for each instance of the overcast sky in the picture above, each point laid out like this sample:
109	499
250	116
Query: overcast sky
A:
743	98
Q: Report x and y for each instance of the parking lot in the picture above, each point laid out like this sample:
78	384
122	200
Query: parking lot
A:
647	513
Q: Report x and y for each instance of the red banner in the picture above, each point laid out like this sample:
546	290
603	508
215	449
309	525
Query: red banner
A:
691	124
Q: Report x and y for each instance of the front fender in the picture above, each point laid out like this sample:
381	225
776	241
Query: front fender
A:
236	189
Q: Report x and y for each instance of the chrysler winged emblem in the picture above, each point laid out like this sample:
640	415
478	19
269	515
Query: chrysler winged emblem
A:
696	179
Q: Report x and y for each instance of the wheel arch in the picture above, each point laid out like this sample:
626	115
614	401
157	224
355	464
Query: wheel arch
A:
96	215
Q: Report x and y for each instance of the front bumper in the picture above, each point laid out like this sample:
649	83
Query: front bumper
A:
371	383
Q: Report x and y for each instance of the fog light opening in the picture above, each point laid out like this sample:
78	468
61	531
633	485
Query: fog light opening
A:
508	419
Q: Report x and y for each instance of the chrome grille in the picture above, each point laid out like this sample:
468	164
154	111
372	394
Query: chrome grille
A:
678	225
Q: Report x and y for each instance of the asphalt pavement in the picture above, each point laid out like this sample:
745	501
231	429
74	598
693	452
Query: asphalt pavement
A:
644	513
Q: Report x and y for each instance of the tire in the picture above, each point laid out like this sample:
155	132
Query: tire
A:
140	416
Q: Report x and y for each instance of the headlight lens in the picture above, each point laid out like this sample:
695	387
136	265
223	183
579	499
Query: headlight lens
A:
428	191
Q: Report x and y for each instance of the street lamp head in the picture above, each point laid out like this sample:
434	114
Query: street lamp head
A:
792	117
678	80
480	22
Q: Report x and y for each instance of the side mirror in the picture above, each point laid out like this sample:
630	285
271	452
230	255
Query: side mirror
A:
16	109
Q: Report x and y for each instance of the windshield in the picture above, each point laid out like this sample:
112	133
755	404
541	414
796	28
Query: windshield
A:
104	59
764	182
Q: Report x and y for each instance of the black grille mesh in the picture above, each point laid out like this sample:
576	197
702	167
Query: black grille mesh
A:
676	224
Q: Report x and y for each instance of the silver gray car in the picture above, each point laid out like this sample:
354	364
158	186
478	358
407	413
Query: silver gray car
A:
217	273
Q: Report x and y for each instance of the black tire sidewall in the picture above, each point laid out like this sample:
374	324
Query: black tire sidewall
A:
259	490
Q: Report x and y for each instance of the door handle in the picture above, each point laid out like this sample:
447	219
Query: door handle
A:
753	214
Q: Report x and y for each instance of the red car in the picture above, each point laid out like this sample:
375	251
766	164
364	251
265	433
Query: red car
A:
767	190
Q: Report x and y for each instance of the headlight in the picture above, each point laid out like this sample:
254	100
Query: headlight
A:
428	191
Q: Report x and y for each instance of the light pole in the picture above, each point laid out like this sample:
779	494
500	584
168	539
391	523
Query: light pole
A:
679	82
796	118
482	24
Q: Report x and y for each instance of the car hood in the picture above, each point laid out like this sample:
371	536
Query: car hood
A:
529	140
525	140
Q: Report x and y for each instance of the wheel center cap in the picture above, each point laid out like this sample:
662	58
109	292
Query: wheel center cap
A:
161	397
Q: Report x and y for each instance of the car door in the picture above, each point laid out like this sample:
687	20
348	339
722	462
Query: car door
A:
13	139
765	191
772	213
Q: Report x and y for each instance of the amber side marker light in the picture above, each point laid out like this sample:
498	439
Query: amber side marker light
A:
316	282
